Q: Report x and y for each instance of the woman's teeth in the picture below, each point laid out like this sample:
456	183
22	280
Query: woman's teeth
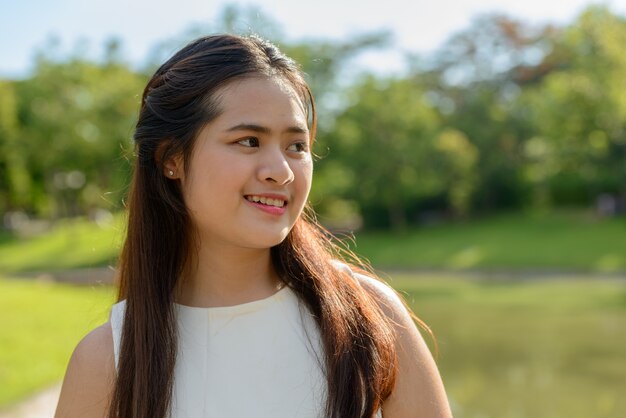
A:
266	201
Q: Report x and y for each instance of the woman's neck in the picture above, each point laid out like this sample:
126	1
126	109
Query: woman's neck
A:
228	276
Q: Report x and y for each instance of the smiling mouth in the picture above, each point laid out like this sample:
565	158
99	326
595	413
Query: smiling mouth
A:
279	203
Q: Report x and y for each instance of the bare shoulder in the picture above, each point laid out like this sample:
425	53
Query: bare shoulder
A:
89	377
385	296
419	390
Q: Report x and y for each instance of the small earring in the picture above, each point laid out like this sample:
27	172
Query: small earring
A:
171	173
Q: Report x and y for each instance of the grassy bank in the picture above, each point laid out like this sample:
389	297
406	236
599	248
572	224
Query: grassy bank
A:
553	241
40	324
561	241
68	244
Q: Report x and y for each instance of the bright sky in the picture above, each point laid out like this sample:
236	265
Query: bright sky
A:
418	25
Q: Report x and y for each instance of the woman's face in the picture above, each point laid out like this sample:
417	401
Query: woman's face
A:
249	174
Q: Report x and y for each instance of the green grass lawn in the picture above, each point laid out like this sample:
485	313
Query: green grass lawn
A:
508	349
40	324
71	243
553	241
561	241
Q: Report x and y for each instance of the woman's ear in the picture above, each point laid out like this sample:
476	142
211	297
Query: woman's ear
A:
173	168
171	164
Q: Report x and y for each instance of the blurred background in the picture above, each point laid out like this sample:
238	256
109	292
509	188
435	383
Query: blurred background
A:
474	151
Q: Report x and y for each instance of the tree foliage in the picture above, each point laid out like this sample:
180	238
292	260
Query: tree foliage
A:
504	115
73	122
392	143
578	115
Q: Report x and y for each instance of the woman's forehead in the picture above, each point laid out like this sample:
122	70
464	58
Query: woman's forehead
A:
257	99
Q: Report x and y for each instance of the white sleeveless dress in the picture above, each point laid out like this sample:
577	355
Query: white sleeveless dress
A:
259	359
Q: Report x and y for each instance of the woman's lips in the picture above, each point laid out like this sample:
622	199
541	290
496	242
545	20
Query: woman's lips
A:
273	210
269	203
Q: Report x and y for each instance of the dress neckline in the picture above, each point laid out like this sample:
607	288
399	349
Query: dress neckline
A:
245	307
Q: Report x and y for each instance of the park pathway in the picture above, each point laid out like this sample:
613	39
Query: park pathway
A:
42	405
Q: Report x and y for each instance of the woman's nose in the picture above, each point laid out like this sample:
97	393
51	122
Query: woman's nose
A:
275	168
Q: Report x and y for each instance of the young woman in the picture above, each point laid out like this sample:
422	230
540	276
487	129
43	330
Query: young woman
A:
232	302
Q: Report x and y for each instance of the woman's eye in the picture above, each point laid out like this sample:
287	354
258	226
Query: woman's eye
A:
249	142
298	147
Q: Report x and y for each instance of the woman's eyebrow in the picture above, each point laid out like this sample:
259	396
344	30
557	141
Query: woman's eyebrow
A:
265	130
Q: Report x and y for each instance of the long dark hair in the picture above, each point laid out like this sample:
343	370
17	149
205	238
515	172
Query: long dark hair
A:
359	355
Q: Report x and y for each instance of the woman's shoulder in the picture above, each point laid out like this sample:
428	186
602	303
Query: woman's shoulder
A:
419	391
94	346
89	377
383	294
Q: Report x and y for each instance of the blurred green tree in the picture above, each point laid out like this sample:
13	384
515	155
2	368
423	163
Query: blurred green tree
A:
75	121
388	151
15	184
578	115
503	114
475	80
